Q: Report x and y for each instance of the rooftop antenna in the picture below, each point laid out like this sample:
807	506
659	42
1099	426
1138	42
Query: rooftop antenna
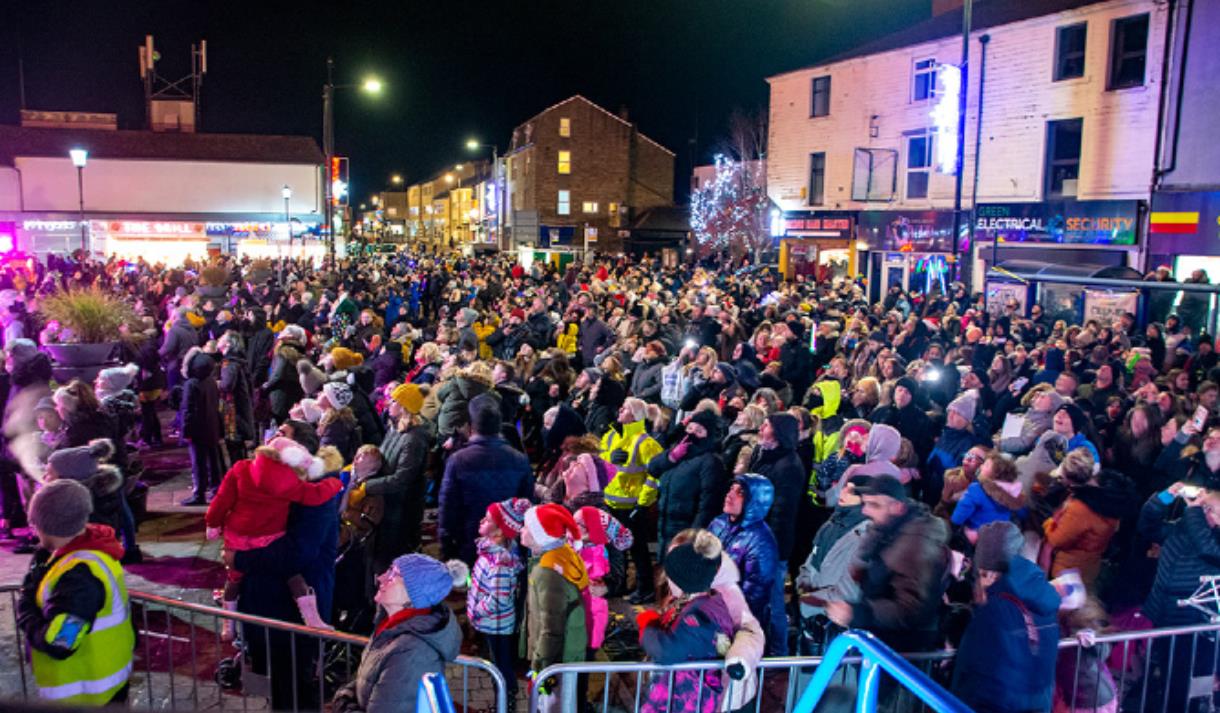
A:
172	105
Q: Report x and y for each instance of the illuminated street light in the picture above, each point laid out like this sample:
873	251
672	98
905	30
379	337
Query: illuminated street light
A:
448	178
457	167
473	144
372	85
332	190
79	157
396	179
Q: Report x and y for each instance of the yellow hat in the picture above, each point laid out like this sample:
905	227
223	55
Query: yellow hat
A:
409	397
344	358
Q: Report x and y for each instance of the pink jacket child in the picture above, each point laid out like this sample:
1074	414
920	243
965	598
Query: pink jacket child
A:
598	529
251	509
582	481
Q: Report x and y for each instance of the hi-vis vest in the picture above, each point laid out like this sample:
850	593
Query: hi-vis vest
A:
101	665
632	485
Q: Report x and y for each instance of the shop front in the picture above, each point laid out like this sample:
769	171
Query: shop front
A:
818	244
912	250
42	237
1093	233
1184	233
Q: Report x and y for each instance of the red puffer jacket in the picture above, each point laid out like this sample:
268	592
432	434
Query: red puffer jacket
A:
254	496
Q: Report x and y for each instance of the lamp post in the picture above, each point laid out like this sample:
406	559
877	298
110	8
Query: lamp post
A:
286	192
474	145
79	157
370	85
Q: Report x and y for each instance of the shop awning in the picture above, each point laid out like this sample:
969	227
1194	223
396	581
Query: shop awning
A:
1034	269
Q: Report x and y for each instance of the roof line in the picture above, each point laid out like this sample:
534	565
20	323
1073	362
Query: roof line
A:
605	111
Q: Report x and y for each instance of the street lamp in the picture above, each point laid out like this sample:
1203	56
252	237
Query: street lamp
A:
475	145
396	179
371	85
79	157
286	191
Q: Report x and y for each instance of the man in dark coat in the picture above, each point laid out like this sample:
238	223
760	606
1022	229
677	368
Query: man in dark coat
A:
595	337
485	471
201	426
796	363
776	459
693	479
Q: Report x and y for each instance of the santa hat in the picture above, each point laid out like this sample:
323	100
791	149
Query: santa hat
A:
549	525
604	529
297	457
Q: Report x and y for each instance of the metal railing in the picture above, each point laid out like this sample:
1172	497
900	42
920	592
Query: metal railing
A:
1151	671
182	661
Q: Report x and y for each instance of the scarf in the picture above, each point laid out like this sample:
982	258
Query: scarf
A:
398	617
564	560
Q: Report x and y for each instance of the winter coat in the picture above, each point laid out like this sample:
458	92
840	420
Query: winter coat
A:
597	609
749	642
796	365
283	387
647	380
454	397
255	495
692	490
826	439
259	347
387	367
829	473
1035	424
339	430
699	631
1190	548
1081	530
200	410
883	444
782	466
986	501
178	341
901	571
914	425
491	601
401	483
555	620
595	336
396	659
372	430
485	471
603	410
999	666
750	543
948	453
238	397
826	572
105	486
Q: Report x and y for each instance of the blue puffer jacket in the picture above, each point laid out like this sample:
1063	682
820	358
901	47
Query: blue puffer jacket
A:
999	667
749	542
948	453
485	471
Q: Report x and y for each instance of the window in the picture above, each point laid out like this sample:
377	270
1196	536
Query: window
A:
1128	49
817	178
919	164
923	84
565	127
1069	51
589	206
565	161
565	203
614	215
1063	157
819	101
874	175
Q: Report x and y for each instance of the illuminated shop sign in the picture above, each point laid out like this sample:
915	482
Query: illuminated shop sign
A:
49	226
137	227
1077	222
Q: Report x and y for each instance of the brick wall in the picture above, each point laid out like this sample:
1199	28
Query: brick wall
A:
1119	126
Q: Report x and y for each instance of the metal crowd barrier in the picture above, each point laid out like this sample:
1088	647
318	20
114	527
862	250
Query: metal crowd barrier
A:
1167	670
182	662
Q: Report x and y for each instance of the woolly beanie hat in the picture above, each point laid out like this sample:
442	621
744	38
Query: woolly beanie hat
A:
344	358
338	394
604	529
1079	420
81	463
637	407
965	405
550	524
297	457
468	316
426	580
692	566
61	508
117	378
509	515
409	396
997	543
22	351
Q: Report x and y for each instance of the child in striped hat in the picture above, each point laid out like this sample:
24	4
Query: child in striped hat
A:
492	598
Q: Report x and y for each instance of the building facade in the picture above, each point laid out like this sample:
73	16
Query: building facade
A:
576	174
864	145
161	196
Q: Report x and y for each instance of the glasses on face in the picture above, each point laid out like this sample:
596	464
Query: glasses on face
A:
973	457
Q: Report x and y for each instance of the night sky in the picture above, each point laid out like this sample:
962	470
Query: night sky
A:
453	70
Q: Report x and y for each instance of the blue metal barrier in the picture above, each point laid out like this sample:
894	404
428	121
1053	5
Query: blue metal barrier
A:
433	695
877	657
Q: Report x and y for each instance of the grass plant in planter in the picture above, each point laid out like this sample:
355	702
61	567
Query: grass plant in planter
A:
91	319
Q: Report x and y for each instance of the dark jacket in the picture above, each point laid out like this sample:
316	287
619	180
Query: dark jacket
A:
485	471
646	381
1002	665
388	365
178	341
235	390
1190	548
258	347
594	337
401	483
782	466
603	410
372	431
454	397
750	544
692	490
901	574
948	453
283	385
796	365
201	402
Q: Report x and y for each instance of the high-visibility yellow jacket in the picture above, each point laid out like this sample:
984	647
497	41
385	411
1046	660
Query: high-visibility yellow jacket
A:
568	340
632	486
100	663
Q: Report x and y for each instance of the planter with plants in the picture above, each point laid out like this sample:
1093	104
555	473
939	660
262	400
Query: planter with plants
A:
213	282
84	327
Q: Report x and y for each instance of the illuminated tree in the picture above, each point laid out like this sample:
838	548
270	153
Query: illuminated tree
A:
732	212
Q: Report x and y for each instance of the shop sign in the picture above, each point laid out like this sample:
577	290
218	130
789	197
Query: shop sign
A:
912	231
50	226
795	224
244	230
1106	306
1185	224
1075	222
137	228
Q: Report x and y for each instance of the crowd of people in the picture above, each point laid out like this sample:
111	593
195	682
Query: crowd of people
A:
753	464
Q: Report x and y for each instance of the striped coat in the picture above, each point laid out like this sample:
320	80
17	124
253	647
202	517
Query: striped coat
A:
491	600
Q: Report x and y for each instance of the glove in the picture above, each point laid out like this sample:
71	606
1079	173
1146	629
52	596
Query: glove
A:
1087	638
212	533
678	452
645	619
736	668
619	457
356	496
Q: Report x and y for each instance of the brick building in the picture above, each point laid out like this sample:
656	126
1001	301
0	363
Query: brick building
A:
575	170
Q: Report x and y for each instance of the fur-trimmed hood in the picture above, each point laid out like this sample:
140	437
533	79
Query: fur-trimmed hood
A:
999	493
